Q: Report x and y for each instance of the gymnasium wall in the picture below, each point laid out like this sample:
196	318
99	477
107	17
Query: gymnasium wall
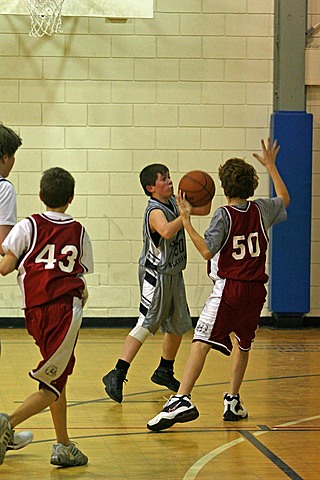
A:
189	88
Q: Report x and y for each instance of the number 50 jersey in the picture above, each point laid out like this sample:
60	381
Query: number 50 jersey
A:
54	252
239	244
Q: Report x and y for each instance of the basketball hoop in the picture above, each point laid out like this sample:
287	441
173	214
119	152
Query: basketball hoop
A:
45	17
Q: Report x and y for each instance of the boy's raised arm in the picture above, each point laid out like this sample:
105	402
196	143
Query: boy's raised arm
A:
160	224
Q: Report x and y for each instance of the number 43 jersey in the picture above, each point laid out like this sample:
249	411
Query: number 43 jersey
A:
54	253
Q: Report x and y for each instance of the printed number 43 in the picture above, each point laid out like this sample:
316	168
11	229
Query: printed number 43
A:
47	256
240	244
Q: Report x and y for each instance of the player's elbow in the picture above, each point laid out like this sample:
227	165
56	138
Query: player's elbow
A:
4	271
8	264
286	200
167	234
207	255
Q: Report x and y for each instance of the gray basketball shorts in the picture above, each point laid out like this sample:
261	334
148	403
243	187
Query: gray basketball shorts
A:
163	302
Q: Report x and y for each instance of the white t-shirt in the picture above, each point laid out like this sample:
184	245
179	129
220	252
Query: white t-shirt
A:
8	205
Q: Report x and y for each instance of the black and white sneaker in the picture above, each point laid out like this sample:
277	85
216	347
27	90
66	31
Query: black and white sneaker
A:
6	434
178	409
233	409
165	376
113	382
71	456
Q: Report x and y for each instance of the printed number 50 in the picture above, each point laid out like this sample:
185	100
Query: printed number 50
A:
240	243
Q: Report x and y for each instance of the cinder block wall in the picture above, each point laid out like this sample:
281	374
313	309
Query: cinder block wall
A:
189	88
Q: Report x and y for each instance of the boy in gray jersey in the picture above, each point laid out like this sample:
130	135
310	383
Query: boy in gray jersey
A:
235	244
163	299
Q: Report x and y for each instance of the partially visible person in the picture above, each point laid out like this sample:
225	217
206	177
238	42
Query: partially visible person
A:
9	144
51	252
235	244
163	303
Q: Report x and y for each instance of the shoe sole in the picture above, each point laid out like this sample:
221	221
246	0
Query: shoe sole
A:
232	417
183	417
108	390
66	464
2	454
163	384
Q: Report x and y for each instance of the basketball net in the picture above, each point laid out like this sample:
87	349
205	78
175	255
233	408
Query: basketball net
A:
45	17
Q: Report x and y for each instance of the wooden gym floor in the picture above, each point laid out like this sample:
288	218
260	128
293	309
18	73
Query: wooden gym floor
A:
279	440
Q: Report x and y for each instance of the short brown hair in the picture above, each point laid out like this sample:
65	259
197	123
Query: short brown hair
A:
238	178
56	187
149	175
9	141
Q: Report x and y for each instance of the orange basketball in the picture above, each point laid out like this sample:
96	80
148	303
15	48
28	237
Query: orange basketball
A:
198	186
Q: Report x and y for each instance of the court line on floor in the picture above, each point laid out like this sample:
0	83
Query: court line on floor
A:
193	471
129	396
195	430
257	429
106	399
280	464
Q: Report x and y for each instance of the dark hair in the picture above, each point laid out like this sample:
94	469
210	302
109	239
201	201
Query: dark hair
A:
9	141
56	187
149	175
238	178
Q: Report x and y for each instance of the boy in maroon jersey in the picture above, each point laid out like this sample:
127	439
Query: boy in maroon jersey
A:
51	252
235	245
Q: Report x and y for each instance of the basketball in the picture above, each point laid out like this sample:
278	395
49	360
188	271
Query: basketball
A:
198	187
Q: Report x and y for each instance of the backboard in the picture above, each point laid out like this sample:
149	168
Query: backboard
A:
89	8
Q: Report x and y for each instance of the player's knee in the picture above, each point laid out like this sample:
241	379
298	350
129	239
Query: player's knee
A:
139	333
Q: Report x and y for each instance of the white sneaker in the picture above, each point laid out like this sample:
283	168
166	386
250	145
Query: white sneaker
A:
233	409
70	456
20	440
178	409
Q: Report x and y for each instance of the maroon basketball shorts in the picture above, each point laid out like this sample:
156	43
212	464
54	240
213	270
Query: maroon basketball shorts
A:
55	327
233	306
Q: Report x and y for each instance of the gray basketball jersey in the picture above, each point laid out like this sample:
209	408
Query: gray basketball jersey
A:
165	256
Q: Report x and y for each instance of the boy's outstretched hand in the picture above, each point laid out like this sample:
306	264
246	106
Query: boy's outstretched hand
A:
186	209
268	160
184	206
269	154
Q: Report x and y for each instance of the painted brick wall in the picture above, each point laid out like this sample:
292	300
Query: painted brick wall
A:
313	105
189	88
